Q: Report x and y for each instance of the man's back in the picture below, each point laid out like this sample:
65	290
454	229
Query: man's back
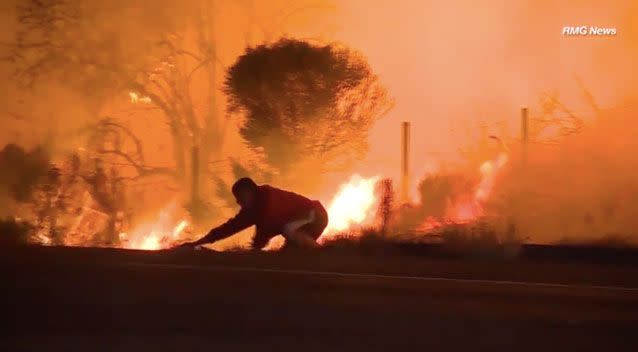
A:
276	207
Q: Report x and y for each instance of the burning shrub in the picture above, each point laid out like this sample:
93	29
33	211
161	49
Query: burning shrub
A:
441	198
438	192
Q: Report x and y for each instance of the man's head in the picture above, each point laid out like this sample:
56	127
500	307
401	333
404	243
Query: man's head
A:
245	192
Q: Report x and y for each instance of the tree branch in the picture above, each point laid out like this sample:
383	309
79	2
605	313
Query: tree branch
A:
142	170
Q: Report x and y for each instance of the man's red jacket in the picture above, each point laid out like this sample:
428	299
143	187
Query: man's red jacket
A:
273	208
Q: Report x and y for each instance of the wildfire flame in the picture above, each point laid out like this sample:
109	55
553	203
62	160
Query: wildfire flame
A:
154	239
179	228
473	206
159	233
352	206
489	170
42	239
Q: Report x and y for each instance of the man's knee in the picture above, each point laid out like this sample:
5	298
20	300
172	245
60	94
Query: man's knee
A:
294	226
300	239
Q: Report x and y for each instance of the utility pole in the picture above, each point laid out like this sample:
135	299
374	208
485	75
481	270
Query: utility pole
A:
518	211
524	135
405	164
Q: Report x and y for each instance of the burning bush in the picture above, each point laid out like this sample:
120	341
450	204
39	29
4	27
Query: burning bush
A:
438	192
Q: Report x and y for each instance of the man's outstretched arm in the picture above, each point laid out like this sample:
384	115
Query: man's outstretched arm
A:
241	221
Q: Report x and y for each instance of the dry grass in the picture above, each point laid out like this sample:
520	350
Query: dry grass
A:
611	240
465	240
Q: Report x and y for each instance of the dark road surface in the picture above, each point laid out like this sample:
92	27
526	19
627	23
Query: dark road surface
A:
65	299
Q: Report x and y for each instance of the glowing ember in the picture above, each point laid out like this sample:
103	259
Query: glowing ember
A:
151	242
353	205
153	239
429	224
43	239
465	212
136	98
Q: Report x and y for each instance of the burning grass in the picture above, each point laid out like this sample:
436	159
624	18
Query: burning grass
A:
360	205
453	212
473	239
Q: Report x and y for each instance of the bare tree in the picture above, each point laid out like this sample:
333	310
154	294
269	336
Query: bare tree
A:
172	72
554	115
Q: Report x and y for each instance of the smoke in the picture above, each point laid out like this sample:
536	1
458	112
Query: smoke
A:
580	190
453	66
50	94
461	71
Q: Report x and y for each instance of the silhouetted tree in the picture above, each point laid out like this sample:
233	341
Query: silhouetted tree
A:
48	206
303	101
22	171
249	167
13	232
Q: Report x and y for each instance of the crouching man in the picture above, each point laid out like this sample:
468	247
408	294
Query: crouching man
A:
273	212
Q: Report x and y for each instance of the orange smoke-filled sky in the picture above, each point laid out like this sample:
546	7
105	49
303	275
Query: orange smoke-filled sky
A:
452	65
